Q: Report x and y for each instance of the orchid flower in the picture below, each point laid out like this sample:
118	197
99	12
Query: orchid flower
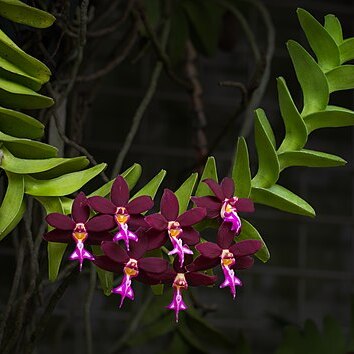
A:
125	213
228	254
79	228
181	279
132	264
224	204
178	228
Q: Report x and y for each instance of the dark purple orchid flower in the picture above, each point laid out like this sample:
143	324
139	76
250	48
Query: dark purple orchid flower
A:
179	228
123	212
229	254
79	228
181	278
224	205
132	264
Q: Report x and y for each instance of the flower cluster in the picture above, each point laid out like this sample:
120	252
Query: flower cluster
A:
125	235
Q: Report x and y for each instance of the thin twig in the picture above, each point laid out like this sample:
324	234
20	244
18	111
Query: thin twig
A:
87	309
142	108
160	51
110	29
238	85
14	288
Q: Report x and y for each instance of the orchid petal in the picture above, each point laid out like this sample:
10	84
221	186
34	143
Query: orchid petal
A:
209	249
140	204
169	205
115	252
225	236
120	192
153	264
243	262
245	248
244	205
60	221
102	205
137	249
56	235
192	216
148	278
215	188
190	236
211	204
96	238
136	221
228	187
203	263
108	264
198	279
177	304
101	223
157	221
156	239
80	210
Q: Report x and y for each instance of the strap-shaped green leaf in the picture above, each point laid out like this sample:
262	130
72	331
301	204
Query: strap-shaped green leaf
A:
131	175
105	277
295	128
55	249
332	117
334	28
309	158
11	72
19	124
69	165
21	59
346	50
209	171
268	164
62	185
15	220
281	198
249	232
241	173
312	80
12	203
341	78
320	40
14	95
27	148
25	166
184	192
19	12
152	186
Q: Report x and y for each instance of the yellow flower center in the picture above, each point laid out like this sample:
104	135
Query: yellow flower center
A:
174	228
131	268
227	258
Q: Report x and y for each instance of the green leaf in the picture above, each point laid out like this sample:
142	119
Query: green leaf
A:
19	12
346	50
241	173
12	203
184	192
152	186
25	166
295	128
105	277
281	198
333	337
14	95
334	28
69	165
341	78
249	232
320	40
55	250
21	59
15	220
11	72
62	185
312	80
19	124
268	165
27	148
209	171
309	158
205	22
131	176
332	117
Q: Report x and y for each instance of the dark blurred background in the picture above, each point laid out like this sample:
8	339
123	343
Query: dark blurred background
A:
310	273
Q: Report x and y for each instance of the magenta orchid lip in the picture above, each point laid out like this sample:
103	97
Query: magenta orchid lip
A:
121	219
